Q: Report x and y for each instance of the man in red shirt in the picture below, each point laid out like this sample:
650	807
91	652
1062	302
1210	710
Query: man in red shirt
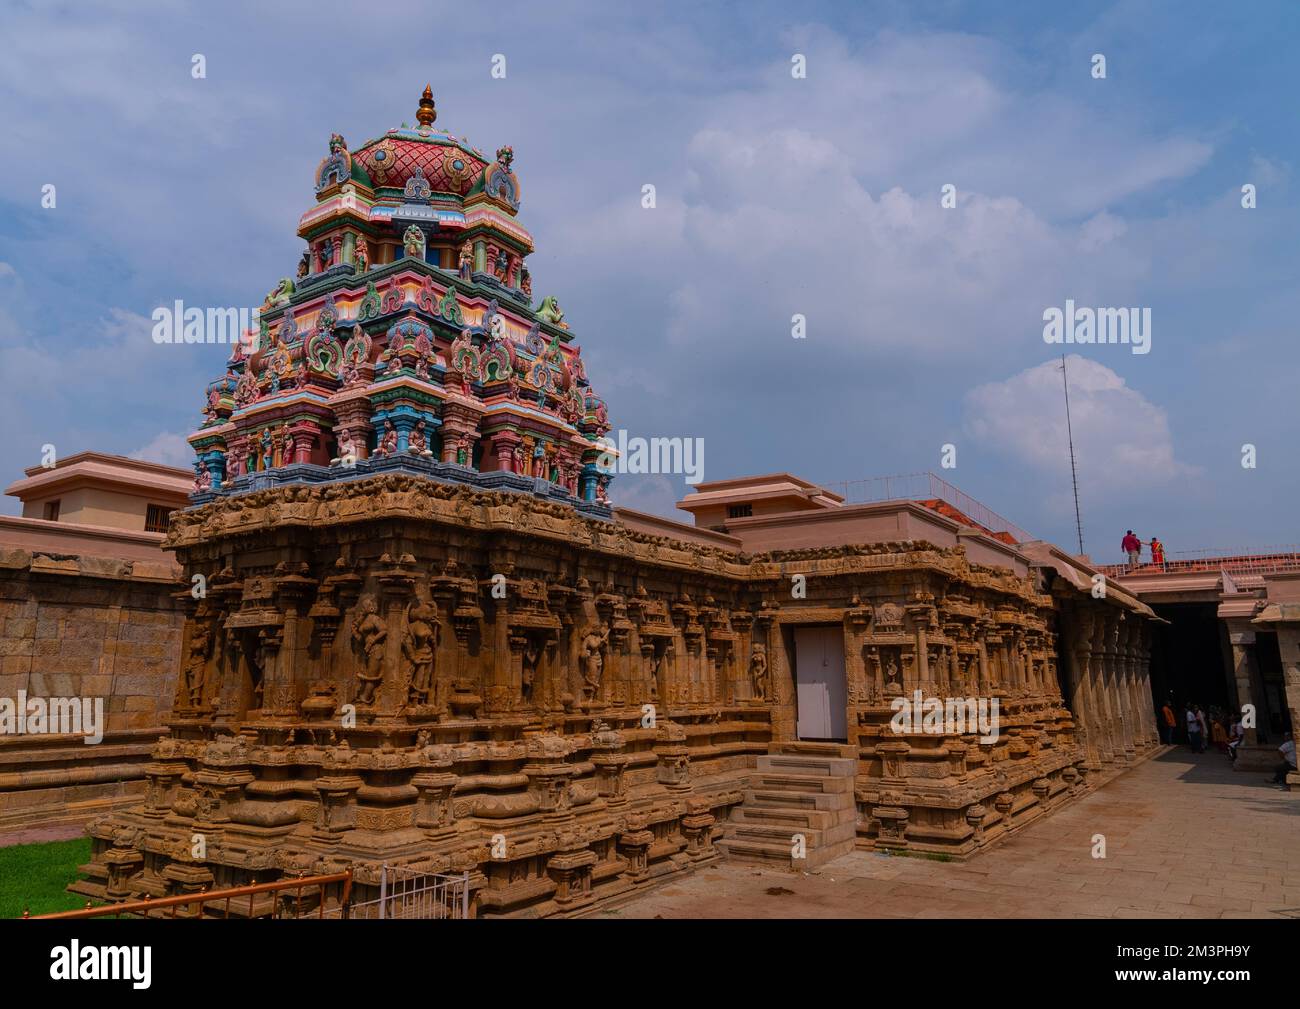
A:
1132	546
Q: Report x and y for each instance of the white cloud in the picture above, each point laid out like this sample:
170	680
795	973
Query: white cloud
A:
1099	230
822	198
1121	439
168	448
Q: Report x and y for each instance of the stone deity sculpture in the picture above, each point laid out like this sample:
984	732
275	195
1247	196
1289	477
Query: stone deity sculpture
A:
284	448
423	634
196	664
257	669
657	674
347	450
388	441
418	443
758	677
369	632
891	673
532	654
413	242
593	662
551	312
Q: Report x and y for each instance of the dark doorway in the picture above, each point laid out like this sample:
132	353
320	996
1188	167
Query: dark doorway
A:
1187	656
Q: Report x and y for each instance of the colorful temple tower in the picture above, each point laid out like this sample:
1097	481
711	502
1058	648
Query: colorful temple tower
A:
408	340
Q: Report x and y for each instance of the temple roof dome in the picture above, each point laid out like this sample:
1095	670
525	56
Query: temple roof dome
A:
449	165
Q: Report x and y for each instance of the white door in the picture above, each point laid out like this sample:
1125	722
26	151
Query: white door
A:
819	679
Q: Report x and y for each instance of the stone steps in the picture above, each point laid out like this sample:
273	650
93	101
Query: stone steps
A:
756	851
814	837
779	816
795	763
818	749
759	798
801	790
772	781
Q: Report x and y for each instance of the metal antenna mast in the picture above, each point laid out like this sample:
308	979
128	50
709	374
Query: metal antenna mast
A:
1074	475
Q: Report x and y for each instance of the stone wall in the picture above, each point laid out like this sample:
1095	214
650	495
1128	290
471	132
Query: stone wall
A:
396	670
84	627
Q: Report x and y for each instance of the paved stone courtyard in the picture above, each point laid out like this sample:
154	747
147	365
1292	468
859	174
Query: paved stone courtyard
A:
1186	837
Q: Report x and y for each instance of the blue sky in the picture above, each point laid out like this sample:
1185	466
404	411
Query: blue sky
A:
775	196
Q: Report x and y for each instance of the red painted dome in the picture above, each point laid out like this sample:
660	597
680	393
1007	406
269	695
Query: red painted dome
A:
448	165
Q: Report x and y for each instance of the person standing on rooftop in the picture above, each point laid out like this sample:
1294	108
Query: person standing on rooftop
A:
1132	546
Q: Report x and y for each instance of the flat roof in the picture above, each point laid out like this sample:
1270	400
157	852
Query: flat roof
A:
99	469
771	486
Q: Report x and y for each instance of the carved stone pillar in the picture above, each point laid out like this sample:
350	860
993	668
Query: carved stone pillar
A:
634	844
1120	700
1288	640
508	450
697	828
354	417
459	428
985	686
433	807
856	620
1251	755
338	805
673	771
1103	716
123	863
923	657
1129	682
571	871
1077	655
302	438
293	588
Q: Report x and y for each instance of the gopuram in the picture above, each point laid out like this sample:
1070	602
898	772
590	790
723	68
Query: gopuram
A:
419	635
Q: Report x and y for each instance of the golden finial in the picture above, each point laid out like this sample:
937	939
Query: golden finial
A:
426	113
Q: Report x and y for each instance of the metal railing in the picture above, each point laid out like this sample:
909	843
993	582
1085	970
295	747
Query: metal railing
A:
1244	568
295	897
925	487
415	894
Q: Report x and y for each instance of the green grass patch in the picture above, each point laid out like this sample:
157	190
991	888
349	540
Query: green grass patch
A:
34	876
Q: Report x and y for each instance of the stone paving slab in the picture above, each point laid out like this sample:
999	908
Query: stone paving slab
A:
1186	837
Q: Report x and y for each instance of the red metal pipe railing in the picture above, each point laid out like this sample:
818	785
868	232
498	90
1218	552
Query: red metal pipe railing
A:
208	896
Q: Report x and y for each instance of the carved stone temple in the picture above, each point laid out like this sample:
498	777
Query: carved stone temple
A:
418	634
